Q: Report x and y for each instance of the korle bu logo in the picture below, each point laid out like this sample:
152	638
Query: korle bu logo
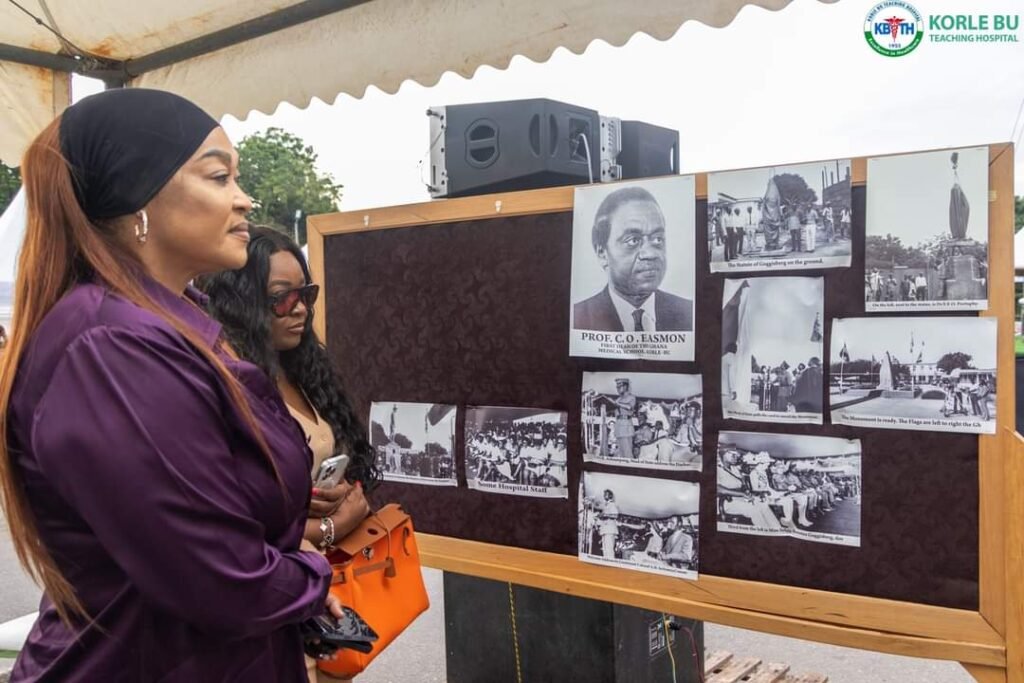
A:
893	28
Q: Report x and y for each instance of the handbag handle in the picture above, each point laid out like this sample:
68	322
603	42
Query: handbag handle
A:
388	564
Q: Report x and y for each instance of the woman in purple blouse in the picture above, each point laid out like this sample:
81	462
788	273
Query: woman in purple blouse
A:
154	484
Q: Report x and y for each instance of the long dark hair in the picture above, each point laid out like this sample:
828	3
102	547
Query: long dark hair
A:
62	248
240	302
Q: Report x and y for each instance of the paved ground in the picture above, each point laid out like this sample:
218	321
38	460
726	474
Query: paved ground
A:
418	656
926	409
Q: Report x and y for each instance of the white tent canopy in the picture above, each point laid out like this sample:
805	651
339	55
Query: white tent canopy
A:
234	57
12	229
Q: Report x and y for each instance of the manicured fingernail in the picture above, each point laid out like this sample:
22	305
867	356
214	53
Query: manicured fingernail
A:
316	491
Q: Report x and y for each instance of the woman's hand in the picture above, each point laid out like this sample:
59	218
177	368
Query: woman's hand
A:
352	511
334	606
326	502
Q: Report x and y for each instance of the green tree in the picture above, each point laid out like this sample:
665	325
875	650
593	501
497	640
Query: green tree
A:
794	189
10	181
1018	213
378	437
435	449
888	251
279	171
951	361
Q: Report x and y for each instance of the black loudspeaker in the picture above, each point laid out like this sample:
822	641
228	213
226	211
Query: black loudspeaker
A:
561	638
648	150
516	145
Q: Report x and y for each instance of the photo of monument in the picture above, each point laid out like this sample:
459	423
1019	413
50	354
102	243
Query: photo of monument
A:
931	374
926	244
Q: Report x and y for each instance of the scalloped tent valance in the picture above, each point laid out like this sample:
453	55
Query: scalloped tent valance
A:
234	57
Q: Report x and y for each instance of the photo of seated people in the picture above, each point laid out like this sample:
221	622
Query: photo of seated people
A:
787	485
516	450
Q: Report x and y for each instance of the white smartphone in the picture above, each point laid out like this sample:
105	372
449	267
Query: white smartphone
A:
331	471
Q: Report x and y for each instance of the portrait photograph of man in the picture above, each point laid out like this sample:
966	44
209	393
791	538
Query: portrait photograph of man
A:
633	270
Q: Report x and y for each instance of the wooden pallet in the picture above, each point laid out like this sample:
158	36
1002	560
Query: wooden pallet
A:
723	667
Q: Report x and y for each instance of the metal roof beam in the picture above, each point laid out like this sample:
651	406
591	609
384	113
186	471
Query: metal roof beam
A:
47	60
239	33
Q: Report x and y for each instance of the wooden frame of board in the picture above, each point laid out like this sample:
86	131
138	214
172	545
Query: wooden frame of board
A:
989	642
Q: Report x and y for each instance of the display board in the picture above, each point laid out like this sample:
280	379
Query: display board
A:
466	302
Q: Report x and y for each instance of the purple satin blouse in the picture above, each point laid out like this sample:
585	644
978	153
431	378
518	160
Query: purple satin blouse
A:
156	503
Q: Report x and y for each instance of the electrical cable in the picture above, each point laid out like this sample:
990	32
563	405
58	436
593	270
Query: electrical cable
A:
586	148
515	633
698	662
68	45
1020	110
668	645
426	156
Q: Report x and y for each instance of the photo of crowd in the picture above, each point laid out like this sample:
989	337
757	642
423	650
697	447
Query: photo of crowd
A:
642	419
415	442
806	487
926	243
783	217
772	346
519	451
651	525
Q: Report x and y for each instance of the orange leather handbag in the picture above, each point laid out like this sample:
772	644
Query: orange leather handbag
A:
377	573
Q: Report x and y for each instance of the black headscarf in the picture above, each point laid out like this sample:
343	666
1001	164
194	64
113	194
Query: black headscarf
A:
123	145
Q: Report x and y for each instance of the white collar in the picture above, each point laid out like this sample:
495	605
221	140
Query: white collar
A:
625	311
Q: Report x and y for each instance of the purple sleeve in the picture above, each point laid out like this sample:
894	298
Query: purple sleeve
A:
131	433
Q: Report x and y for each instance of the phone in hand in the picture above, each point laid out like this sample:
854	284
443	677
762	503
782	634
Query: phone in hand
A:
324	634
331	471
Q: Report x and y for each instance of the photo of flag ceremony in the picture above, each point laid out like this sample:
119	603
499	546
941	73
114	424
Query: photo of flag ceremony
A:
477	341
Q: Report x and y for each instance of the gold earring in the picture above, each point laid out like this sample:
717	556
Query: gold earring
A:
142	228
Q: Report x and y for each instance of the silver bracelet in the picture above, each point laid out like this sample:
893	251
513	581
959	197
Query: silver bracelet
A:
327	532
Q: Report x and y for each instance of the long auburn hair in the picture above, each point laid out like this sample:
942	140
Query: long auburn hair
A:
240	302
62	248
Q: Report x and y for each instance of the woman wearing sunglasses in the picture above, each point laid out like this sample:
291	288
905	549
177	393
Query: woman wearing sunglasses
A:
266	309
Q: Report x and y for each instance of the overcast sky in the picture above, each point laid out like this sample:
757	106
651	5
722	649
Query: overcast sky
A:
754	182
643	496
780	317
410	420
910	194
791	86
865	337
645	384
791	445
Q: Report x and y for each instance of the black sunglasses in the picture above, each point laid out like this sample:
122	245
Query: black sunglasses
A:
282	304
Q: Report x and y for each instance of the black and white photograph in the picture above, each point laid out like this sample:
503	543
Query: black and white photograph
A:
647	420
650	525
772	349
926	243
414	442
633	270
517	451
925	374
780	217
804	487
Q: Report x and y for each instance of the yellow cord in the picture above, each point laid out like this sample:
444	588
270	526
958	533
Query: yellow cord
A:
668	644
515	633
